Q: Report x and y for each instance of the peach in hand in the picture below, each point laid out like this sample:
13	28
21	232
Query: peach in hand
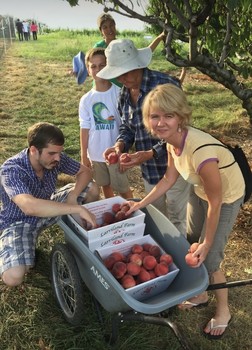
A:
194	247
112	158
124	158
191	260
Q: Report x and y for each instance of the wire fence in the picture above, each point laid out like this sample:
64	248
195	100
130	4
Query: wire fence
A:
7	33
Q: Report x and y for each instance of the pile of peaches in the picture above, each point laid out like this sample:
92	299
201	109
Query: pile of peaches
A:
143	263
117	213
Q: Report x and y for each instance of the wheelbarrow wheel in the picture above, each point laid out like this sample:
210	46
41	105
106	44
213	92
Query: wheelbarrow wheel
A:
67	284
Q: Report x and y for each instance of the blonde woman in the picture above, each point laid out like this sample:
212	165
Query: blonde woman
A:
217	195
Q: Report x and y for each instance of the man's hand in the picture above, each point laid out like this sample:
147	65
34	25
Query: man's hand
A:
136	158
118	149
134	206
86	215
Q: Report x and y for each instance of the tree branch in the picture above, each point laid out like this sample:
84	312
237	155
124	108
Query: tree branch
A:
206	12
207	65
132	14
188	8
182	19
224	53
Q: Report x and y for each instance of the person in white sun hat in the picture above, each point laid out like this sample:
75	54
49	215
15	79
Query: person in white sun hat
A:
128	65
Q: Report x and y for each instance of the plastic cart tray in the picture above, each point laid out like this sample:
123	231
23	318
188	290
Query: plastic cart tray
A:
110	294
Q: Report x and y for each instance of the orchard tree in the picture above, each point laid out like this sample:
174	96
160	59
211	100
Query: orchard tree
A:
216	33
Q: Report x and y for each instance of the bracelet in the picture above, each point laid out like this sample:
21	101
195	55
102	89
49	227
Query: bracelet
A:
165	178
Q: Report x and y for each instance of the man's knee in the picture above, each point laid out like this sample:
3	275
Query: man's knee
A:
93	193
14	276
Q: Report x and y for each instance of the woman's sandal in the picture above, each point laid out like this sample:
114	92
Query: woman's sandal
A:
187	305
212	326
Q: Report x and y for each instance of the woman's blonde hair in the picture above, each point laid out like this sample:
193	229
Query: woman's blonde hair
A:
170	99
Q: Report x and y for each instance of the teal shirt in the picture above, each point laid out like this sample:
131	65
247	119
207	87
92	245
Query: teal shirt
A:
101	43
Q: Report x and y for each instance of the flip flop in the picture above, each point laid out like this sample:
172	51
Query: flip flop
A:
212	326
187	305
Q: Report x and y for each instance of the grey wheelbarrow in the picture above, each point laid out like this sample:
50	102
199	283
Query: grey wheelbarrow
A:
72	263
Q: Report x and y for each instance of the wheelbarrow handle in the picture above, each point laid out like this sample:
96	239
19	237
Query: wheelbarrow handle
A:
229	284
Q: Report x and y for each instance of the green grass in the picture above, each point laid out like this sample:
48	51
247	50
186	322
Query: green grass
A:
35	86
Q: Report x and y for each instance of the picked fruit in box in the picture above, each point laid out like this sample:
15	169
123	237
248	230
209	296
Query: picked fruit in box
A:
113	211
139	263
146	269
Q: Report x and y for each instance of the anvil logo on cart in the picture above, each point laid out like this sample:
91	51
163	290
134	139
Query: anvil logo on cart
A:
99	277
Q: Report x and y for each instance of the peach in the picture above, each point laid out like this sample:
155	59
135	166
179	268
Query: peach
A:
144	253
119	269
191	260
118	256
144	276
133	269
125	207
155	250
152	274
108	218
124	158
116	207
149	262
120	215
109	262
147	246
161	269
112	158
128	257
166	258
136	249
136	258
128	281
193	247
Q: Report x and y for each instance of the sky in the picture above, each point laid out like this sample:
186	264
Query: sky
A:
59	14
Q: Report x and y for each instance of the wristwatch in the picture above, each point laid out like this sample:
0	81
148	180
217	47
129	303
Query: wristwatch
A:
155	153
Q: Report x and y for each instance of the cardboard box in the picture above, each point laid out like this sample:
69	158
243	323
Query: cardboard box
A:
117	238
150	288
131	225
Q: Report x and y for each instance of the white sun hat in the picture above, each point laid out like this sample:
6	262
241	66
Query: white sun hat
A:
123	57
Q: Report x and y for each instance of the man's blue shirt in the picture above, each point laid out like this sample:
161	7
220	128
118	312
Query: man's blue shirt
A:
132	130
17	176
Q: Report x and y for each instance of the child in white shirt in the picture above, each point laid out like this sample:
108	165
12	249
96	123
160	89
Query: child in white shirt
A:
99	127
